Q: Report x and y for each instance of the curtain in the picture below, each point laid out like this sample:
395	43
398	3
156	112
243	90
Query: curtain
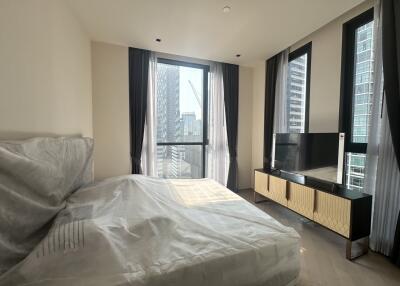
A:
217	149
382	177
280	110
230	75
375	119
138	81
387	195
395	255
269	106
391	66
149	152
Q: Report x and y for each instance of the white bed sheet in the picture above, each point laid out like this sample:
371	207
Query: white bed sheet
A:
136	230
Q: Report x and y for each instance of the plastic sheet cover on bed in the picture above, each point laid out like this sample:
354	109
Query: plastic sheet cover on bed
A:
136	230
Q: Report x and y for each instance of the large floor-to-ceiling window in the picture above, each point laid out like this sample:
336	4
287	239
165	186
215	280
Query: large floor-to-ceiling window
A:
181	110
358	63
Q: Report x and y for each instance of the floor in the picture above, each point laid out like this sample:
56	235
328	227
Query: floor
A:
323	259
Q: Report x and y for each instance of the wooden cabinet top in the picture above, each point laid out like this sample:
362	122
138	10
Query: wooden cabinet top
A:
328	187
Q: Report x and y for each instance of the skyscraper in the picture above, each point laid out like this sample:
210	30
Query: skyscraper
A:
191	127
191	132
168	120
363	83
296	90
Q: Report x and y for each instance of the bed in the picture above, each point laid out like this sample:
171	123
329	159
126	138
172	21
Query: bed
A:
137	230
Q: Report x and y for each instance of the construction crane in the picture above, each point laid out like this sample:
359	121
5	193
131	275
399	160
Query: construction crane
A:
195	92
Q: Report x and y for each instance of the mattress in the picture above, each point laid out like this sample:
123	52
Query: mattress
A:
137	230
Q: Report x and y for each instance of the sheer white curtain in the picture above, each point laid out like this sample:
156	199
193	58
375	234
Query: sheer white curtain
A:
374	132
217	149
387	195
382	178
280	113
149	150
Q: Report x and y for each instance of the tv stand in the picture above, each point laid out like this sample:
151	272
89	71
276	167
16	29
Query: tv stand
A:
320	184
346	212
276	171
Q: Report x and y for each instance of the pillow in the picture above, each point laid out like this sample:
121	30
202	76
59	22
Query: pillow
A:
36	177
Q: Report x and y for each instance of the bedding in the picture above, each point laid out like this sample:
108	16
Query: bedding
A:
36	177
137	230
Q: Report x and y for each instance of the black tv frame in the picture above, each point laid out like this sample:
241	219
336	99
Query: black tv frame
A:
309	180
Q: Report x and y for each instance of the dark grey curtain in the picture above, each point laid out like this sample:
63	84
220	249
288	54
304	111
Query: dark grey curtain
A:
138	82
391	66
270	85
395	256
230	74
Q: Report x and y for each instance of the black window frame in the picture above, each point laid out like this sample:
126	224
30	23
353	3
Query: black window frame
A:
204	142
347	80
305	49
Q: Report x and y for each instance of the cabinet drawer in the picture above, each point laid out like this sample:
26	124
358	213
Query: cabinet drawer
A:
277	190
301	200
333	212
261	183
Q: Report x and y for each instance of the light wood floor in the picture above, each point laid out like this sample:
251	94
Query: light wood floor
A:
323	259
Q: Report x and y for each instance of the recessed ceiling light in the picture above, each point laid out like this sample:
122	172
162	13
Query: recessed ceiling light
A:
238	55
226	9
158	40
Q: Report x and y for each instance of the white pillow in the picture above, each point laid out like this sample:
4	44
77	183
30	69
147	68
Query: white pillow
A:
36	176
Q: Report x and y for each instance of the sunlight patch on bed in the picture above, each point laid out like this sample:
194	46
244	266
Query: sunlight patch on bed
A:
203	192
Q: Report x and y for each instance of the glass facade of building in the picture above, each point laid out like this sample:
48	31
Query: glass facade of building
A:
296	90
167	119
363	83
355	171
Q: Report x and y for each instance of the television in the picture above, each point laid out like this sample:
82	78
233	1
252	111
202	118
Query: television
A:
315	155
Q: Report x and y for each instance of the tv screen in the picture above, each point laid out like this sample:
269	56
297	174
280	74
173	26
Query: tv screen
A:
317	155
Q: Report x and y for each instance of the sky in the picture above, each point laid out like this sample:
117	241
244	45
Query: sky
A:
188	101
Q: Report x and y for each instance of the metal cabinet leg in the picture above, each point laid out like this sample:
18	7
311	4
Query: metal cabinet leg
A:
364	246
258	201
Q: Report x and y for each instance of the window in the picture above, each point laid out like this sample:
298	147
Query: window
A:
357	92
182	93
298	89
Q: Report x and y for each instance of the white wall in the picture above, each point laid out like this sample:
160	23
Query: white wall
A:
111	114
244	127
110	110
258	117
324	86
45	75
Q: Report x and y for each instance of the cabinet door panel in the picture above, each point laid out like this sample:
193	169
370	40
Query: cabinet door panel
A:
277	190
333	212
301	200
261	183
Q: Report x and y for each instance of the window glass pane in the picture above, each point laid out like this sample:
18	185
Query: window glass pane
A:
296	89
179	161
355	171
363	83
179	103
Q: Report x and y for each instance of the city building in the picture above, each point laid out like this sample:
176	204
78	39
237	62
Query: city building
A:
168	120
296	90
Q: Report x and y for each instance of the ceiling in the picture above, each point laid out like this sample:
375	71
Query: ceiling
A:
255	29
